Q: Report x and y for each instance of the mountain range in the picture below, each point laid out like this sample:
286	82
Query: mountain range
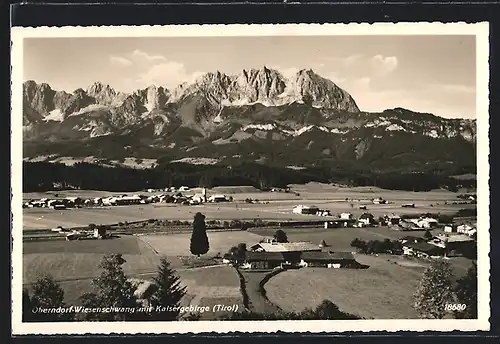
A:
257	115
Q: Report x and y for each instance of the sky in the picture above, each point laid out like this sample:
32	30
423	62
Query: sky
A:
433	74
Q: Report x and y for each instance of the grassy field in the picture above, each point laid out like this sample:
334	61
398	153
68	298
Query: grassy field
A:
75	263
178	244
383	291
210	286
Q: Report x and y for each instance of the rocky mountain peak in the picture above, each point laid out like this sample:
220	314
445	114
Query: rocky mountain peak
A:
320	92
103	93
38	96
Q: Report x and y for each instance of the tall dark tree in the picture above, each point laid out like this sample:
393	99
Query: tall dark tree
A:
112	289
46	294
168	293
199	240
466	292
280	236
434	291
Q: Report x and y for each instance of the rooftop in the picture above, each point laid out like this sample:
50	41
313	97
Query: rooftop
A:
455	237
287	247
424	247
257	256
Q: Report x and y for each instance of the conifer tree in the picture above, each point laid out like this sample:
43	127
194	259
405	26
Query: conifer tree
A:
199	240
168	293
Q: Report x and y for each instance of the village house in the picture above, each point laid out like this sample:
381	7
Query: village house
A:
366	220
393	220
451	228
346	216
74	201
425	222
464	228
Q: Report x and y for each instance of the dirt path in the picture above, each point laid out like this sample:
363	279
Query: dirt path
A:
257	302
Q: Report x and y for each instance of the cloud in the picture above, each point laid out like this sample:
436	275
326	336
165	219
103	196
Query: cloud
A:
169	74
120	61
453	88
145	56
361	83
384	65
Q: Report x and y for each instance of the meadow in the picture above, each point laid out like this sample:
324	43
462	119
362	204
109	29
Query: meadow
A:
210	286
278	206
178	244
75	263
383	291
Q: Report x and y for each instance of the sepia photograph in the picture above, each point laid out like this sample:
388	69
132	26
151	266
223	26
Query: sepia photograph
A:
228	178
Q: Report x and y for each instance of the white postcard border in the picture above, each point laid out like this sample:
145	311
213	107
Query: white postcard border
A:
480	30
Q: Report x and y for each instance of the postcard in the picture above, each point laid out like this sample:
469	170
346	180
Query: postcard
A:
250	178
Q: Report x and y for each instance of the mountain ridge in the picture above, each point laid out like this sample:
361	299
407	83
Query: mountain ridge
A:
257	114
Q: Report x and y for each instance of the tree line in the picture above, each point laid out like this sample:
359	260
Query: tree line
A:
44	176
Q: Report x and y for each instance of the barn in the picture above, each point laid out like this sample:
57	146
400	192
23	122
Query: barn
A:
327	259
263	260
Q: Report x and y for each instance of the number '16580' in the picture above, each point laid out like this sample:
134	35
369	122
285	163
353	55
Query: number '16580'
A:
455	306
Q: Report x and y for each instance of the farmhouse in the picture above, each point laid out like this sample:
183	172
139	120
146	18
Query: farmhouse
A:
263	260
218	198
305	210
56	204
338	223
422	249
127	200
327	259
408	226
379	200
455	242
